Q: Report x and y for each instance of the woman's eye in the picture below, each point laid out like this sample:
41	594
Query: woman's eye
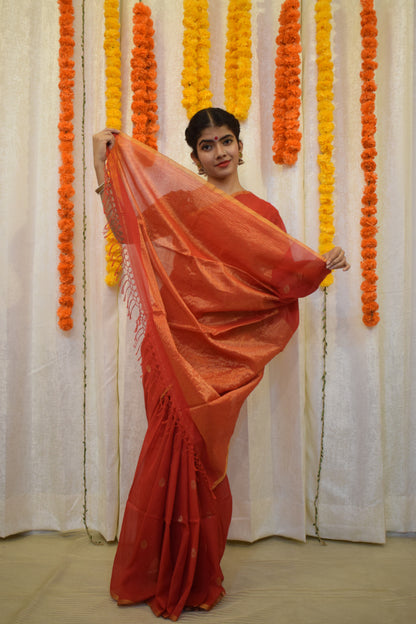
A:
206	147
227	141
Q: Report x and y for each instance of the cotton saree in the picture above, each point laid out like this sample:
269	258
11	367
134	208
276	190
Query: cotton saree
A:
214	287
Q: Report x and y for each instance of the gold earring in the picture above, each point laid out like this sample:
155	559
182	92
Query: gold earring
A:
240	160
201	170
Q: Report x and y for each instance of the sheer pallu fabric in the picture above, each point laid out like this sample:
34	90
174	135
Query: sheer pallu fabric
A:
214	287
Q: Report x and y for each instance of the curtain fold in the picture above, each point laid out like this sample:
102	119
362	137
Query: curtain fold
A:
53	384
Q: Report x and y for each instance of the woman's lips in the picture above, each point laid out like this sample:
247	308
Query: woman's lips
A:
223	164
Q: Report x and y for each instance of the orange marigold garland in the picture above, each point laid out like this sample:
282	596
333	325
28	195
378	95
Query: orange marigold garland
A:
369	199
237	80
196	74
286	108
113	110
143	77
66	171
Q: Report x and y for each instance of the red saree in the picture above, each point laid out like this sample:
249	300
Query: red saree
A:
215	287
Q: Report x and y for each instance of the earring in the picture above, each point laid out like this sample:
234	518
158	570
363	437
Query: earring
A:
240	160
201	170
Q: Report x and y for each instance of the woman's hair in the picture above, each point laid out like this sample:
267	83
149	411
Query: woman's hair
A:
207	118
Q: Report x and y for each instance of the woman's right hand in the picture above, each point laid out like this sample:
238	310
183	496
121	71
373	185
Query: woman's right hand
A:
100	141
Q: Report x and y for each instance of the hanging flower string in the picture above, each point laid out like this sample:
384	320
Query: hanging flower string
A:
286	108
113	111
196	44
237	80
323	406
369	199
66	170
325	96
92	539
143	77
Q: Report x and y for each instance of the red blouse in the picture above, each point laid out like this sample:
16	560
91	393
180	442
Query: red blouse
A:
263	208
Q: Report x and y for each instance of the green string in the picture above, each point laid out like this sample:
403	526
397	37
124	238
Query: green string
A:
84	283
323	393
84	280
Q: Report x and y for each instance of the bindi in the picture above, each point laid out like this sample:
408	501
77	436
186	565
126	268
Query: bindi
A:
215	138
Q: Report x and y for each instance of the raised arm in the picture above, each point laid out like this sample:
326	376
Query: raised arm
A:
100	142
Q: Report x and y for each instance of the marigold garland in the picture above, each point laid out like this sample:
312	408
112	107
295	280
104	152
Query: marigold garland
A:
196	44
369	199
143	77
113	110
66	170
286	108
237	80
325	96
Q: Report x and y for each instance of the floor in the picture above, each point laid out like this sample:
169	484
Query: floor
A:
53	578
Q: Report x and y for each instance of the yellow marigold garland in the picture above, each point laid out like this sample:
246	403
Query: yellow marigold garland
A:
237	84
143	77
286	109
369	200
196	44
325	96
113	111
66	171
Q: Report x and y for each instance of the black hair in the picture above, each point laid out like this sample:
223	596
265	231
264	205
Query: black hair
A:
207	118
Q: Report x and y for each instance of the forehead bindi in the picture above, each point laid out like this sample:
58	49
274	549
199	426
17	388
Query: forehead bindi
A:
214	134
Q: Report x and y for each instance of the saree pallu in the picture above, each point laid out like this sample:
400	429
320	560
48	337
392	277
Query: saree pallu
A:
214	287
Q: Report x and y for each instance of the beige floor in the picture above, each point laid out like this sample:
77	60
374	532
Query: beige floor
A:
52	578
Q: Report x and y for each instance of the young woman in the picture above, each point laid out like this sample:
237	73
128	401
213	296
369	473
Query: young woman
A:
214	136
215	281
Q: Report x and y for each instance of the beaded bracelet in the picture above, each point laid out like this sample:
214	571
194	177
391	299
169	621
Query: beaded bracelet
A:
100	188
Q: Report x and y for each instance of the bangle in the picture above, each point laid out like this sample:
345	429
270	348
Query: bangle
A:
100	188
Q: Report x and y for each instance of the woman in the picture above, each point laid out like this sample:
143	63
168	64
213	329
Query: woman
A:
215	281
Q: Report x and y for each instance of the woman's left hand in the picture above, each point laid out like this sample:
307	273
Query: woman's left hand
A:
335	259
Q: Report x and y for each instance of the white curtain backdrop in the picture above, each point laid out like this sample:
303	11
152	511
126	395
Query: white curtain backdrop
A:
61	389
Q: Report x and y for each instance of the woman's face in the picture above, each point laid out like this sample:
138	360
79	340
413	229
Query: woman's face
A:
218	152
